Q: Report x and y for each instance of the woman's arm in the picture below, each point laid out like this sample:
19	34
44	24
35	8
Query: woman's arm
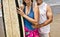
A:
33	21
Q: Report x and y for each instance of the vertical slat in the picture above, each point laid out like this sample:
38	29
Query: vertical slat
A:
7	18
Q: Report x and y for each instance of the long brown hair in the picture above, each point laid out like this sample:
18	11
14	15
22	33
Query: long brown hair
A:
25	3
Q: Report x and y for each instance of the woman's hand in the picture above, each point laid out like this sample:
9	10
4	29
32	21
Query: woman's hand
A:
35	26
20	11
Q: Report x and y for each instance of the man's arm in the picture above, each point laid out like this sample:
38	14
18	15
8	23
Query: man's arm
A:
49	16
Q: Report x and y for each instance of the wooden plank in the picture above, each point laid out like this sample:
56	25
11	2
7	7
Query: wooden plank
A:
7	18
14	18
20	2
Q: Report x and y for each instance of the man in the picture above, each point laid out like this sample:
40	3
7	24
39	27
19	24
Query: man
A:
45	18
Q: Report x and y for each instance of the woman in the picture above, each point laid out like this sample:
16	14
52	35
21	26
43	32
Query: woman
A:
30	15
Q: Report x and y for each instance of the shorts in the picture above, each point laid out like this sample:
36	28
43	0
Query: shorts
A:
33	33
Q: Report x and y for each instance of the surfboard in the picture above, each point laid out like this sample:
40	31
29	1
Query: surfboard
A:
11	22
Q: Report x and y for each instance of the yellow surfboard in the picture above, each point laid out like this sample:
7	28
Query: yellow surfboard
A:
12	28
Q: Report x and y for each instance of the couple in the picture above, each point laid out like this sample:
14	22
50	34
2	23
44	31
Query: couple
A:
36	18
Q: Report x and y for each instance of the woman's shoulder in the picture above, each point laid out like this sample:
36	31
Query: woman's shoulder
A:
35	6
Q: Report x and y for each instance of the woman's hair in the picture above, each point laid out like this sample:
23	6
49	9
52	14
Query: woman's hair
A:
25	3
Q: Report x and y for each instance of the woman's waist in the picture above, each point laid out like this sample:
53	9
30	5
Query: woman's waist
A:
29	27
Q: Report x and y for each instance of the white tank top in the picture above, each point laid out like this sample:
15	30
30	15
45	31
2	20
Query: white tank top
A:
43	18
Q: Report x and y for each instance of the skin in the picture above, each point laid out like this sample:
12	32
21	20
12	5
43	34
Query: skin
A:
35	9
